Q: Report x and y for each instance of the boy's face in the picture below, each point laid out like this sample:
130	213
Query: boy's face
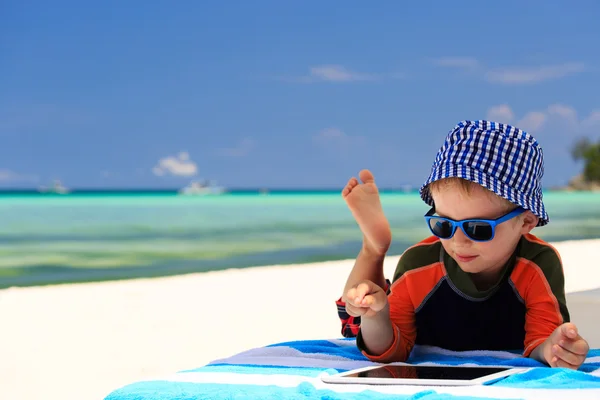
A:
485	258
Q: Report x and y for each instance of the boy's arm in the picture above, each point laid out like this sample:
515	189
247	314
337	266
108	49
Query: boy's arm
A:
392	339
550	338
368	266
390	335
540	283
540	352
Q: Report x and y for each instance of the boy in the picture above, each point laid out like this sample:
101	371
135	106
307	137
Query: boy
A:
482	281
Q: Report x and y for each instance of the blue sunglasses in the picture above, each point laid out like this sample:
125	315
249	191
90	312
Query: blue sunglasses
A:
479	230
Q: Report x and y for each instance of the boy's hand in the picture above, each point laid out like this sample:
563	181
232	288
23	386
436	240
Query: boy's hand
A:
565	348
366	299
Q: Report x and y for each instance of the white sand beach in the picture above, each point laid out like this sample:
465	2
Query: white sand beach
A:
81	341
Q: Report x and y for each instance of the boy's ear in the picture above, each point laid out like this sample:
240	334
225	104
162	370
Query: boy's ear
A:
530	221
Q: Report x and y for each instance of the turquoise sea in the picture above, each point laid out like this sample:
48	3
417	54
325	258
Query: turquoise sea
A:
101	236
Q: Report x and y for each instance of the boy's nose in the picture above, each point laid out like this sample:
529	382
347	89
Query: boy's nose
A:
460	237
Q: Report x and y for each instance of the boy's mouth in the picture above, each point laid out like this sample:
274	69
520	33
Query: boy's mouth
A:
464	257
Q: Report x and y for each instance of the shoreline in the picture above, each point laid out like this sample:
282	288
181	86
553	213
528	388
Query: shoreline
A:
84	340
57	275
389	260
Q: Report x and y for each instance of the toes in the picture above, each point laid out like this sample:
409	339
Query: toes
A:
352	183
366	176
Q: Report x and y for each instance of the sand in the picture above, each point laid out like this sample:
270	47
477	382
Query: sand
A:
81	341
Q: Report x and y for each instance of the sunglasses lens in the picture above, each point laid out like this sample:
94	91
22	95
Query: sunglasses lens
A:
440	228
479	230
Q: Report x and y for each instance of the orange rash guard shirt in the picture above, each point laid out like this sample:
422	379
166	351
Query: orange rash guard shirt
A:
433	302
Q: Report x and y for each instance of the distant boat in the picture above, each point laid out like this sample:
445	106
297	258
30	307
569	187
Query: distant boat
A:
56	188
196	188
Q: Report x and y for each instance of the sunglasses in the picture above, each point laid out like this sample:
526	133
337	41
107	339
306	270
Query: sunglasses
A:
478	230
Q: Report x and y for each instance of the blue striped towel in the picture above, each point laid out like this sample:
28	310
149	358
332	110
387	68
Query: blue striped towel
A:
292	370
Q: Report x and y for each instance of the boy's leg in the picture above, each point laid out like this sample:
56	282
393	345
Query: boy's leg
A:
364	203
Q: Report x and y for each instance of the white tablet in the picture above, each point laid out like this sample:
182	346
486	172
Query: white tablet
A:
407	374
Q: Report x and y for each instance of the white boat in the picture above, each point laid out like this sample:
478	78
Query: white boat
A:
57	188
196	188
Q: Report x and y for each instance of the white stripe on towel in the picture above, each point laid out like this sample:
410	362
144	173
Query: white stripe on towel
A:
295	380
419	350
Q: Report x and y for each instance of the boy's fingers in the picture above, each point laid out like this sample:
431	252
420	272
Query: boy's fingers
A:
566	356
356	296
350	296
560	363
579	347
355	311
362	290
370	301
377	301
353	296
569	330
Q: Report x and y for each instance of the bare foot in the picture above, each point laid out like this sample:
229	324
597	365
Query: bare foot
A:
363	201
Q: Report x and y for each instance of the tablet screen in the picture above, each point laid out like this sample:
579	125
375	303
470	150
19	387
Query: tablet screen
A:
427	372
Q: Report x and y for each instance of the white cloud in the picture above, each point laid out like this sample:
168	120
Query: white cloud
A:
501	113
339	74
335	137
532	121
592	120
511	74
329	134
458	62
243	148
524	75
559	115
181	165
566	112
7	176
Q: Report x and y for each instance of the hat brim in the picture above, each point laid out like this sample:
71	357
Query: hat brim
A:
531	203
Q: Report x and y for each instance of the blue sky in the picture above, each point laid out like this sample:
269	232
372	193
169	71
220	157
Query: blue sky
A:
283	94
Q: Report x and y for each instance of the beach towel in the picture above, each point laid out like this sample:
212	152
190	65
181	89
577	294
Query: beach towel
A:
292	370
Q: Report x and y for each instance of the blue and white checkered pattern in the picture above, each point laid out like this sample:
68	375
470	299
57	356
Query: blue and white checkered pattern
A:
504	159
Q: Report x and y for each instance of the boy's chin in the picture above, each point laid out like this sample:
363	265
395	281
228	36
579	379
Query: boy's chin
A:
469	267
478	270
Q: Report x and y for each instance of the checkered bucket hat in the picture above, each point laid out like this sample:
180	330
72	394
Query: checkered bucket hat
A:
504	159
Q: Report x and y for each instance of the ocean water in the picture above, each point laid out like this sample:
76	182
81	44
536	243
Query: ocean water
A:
90	237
